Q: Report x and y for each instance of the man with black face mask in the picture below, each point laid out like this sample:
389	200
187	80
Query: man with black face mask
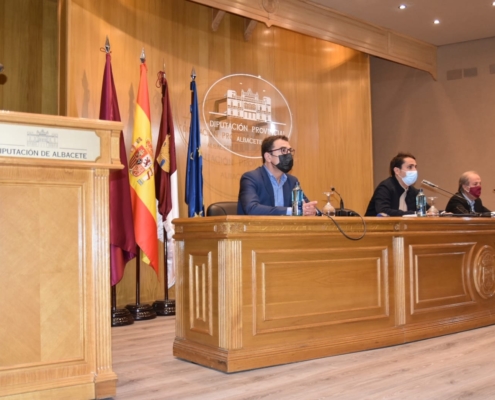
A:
268	189
467	199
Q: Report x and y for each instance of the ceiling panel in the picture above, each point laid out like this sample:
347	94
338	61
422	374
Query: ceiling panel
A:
460	20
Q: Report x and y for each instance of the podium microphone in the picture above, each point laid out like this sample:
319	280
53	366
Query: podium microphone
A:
340	197
342	212
431	184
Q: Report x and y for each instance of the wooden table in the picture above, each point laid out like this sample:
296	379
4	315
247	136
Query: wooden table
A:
259	291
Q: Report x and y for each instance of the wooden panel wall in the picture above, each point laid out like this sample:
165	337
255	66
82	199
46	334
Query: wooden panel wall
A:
319	21
28	50
326	85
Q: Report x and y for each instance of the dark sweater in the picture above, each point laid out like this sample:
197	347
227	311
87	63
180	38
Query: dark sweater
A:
387	196
459	205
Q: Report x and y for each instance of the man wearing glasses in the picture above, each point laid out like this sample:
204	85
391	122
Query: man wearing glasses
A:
267	190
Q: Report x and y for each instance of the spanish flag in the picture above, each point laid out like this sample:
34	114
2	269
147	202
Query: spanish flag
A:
141	176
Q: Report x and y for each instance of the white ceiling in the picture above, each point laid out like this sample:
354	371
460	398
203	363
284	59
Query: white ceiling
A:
460	20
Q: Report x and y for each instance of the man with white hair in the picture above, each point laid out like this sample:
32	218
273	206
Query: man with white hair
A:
467	199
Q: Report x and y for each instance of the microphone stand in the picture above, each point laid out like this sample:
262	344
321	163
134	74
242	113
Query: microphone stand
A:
342	212
463	210
432	185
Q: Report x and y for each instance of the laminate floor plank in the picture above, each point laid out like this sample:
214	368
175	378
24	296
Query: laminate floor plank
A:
458	366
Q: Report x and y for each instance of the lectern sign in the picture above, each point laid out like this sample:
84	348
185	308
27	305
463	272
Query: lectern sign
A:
30	141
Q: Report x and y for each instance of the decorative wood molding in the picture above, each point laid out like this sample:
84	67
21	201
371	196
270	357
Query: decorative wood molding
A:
217	16
309	18
105	378
249	25
230	296
179	292
399	281
200	292
484	272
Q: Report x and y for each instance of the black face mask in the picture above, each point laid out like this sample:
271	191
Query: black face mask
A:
285	163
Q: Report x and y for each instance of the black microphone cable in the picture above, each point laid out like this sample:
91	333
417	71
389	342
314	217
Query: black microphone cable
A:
350	211
345	234
319	213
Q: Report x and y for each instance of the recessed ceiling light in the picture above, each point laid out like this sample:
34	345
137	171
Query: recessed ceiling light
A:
493	4
403	6
436	22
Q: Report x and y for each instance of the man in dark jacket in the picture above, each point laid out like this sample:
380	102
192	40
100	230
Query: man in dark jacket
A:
268	189
467	199
395	196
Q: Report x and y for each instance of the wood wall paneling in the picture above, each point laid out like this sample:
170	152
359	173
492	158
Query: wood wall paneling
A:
310	18
28	50
326	86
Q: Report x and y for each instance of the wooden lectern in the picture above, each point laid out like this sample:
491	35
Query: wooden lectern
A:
55	339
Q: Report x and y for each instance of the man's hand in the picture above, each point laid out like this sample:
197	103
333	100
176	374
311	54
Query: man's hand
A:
309	208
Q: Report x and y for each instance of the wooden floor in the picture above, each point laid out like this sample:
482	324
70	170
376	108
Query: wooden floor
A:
458	366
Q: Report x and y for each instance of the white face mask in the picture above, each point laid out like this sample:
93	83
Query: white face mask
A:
410	177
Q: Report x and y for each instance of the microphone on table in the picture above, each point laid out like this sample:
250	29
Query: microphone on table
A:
459	207
342	211
340	197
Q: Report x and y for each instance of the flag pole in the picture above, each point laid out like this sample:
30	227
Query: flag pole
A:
120	316
140	311
194	167
164	307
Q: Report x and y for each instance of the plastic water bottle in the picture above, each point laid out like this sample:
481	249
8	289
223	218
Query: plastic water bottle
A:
297	200
421	204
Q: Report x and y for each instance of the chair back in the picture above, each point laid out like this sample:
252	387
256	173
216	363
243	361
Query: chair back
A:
222	208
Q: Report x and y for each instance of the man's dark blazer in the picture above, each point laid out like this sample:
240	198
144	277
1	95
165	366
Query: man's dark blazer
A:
459	205
387	197
256	194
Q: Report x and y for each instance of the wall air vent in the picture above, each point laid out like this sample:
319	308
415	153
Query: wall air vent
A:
470	72
454	74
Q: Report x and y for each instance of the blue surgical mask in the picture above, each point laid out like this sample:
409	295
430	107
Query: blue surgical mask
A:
410	177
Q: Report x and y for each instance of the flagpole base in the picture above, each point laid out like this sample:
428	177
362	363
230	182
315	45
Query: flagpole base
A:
164	307
121	317
141	312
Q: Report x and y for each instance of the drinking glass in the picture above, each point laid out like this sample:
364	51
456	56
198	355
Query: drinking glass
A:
328	209
432	211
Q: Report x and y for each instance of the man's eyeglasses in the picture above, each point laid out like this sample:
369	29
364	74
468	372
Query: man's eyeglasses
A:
284	150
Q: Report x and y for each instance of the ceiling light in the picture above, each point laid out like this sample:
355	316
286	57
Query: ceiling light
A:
403	6
493	4
436	22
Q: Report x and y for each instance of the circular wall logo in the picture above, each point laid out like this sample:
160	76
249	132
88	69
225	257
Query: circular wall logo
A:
240	110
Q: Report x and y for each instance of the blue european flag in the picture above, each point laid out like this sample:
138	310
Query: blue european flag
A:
194	173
